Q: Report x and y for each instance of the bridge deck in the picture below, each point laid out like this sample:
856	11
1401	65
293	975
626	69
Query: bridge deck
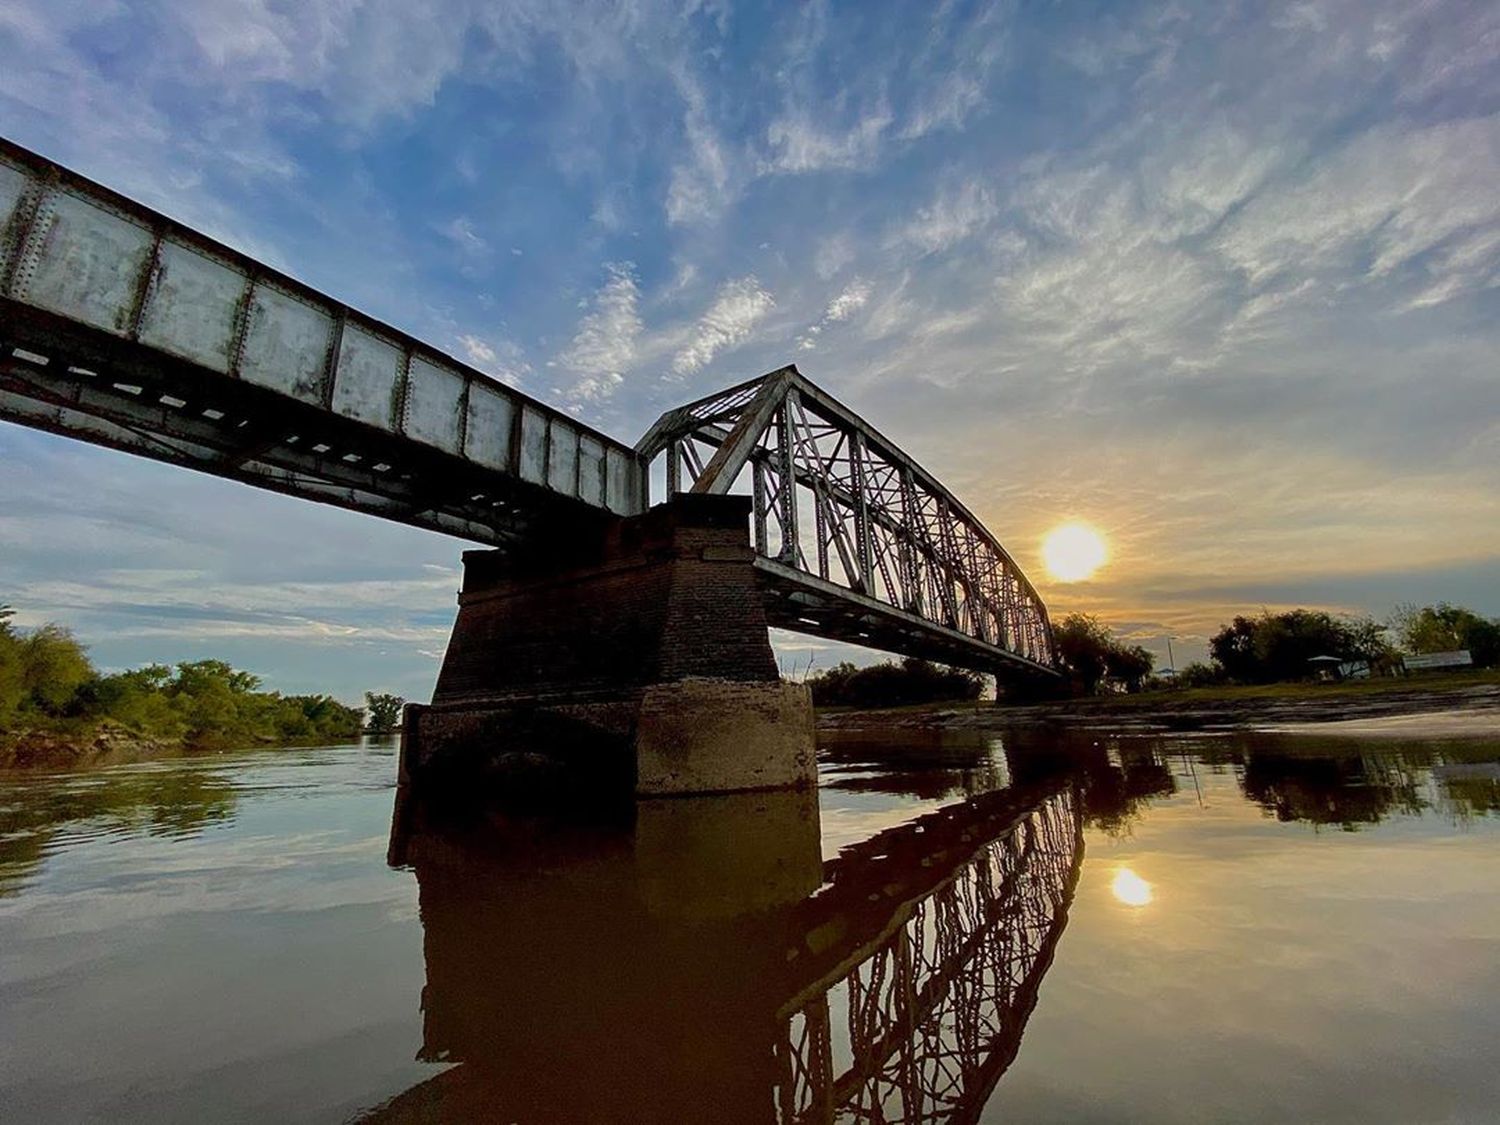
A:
125	328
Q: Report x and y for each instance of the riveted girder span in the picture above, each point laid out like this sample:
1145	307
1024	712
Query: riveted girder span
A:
121	327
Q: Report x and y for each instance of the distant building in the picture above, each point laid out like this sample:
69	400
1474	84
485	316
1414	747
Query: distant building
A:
1438	661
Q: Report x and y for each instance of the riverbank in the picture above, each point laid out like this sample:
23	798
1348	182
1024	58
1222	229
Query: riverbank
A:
106	744
1466	705
110	744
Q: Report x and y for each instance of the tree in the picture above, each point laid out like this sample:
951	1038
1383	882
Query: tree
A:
1285	642
384	711
1083	645
47	682
1129	666
1366	641
1233	649
1091	653
11	690
1443	628
1278	646
53	667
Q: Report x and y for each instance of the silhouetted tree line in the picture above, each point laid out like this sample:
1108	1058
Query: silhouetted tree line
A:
893	685
1279	646
47	682
1276	647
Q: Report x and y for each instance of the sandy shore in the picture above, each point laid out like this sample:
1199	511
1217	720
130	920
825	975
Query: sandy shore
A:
1433	724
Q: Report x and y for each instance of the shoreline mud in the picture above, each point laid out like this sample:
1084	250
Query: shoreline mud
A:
1469	711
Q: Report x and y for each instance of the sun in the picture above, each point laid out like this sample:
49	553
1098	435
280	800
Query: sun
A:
1073	552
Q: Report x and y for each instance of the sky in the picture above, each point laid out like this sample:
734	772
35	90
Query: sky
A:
1221	280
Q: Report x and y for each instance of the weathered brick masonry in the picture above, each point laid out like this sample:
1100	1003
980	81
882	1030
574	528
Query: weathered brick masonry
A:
665	595
551	659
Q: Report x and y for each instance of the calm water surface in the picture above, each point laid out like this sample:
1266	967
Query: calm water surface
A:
1143	929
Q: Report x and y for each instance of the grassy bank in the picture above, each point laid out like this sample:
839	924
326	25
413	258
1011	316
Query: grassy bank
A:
1434	686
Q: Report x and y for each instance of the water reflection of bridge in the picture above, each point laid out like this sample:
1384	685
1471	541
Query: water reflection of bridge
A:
704	964
935	1006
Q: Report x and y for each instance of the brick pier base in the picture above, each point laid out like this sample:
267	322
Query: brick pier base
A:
634	662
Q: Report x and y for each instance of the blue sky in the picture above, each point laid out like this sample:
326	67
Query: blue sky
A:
1221	279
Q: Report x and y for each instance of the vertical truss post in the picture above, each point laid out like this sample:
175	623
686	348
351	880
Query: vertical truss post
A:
953	571
824	525
866	576
911	569
674	468
787	469
758	492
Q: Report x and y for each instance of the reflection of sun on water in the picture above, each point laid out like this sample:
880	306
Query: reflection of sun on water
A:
1073	552
1130	888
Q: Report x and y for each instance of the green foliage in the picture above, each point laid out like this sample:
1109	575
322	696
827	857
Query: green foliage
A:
1276	647
1444	628
893	685
1092	655
384	711
47	682
41	672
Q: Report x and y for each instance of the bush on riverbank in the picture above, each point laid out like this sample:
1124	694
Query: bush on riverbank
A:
49	685
893	685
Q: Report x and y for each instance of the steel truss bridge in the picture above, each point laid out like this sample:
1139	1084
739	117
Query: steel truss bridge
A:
121	327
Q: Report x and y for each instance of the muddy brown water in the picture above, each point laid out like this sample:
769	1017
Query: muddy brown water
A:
1026	927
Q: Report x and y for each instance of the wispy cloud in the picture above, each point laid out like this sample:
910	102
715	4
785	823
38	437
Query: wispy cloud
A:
604	347
855	296
460	231
699	186
799	143
739	306
502	359
956	212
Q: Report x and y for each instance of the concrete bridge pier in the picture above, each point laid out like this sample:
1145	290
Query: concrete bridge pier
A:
631	659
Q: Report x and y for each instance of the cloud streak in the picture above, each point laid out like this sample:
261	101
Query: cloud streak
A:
604	347
737	308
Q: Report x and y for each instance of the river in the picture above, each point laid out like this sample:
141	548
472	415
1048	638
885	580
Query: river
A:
997	928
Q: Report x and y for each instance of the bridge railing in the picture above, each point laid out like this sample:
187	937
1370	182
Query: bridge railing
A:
77	256
838	506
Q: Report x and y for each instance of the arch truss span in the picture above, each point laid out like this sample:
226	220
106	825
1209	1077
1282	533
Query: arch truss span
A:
855	541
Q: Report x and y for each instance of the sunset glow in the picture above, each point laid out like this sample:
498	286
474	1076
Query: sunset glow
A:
1130	888
1073	552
